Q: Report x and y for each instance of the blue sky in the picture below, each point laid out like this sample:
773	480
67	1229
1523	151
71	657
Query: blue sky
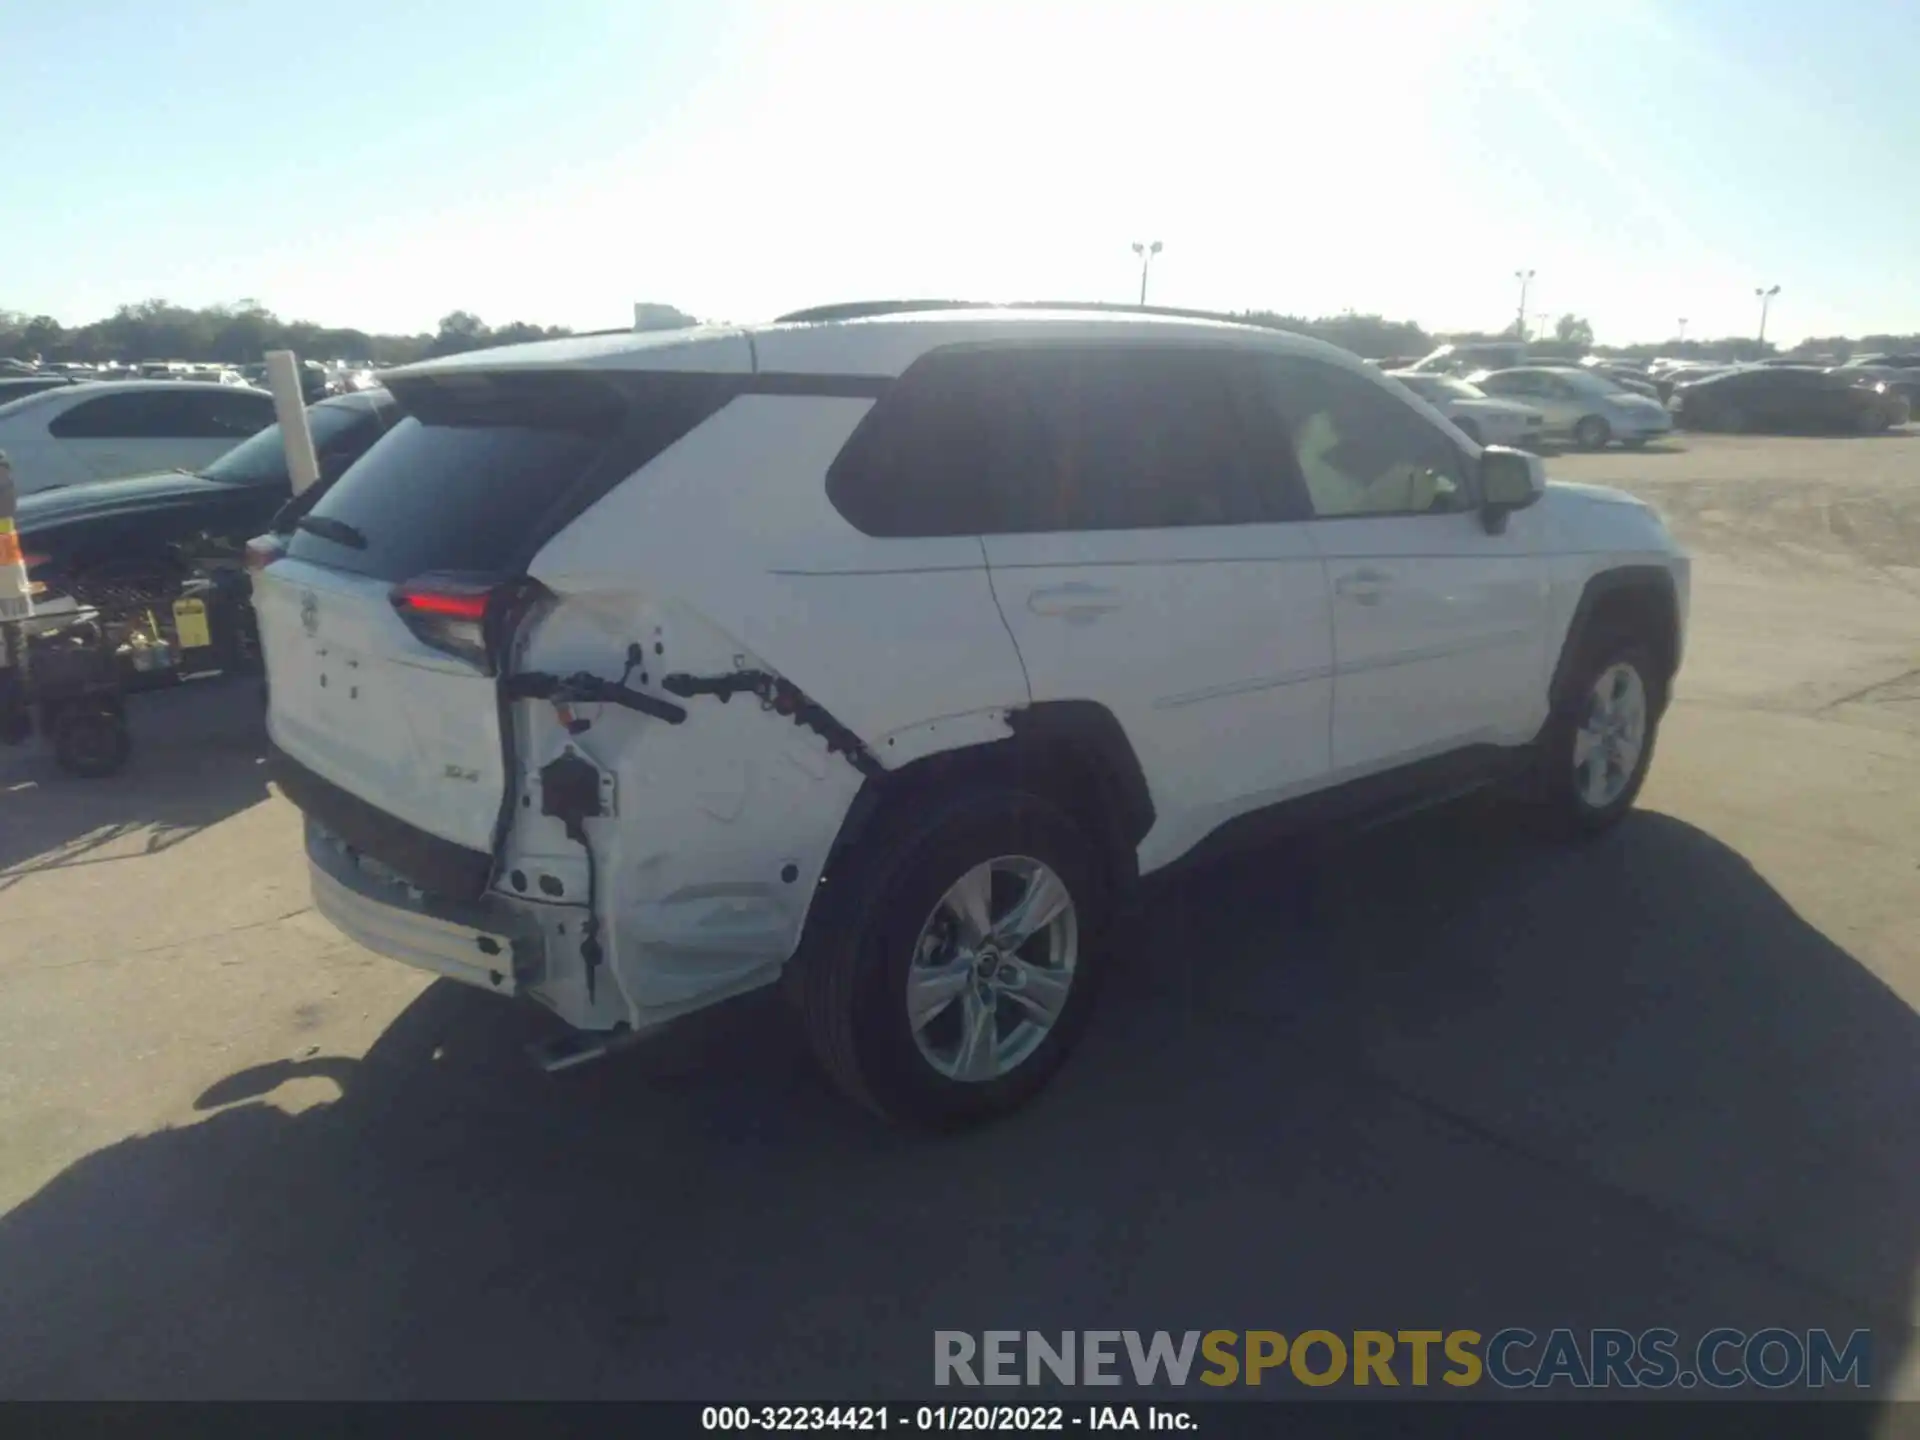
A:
381	164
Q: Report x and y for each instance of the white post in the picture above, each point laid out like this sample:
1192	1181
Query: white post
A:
290	405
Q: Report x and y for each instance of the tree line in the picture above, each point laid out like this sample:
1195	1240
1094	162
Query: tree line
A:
241	333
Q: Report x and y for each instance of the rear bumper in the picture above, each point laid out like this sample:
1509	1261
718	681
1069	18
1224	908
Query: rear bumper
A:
480	943
437	866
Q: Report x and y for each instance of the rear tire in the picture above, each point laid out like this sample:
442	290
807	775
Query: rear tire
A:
90	741
1598	744
890	927
1592	433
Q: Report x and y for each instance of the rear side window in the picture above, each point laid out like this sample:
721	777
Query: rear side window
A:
1015	441
484	469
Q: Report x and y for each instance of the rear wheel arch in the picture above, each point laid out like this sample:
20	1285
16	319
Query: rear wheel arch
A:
1072	752
1635	600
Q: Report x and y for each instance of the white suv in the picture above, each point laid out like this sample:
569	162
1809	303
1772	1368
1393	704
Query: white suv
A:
884	649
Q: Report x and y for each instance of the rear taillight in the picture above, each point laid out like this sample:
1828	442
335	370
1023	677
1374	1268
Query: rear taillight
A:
464	615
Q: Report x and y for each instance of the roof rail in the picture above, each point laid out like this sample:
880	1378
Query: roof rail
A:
870	309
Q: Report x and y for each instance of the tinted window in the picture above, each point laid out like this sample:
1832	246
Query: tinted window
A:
484	468
1059	438
165	414
445	497
128	412
1361	450
340	433
227	413
1507	384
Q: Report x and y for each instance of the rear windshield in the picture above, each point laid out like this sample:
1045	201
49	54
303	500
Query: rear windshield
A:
262	459
446	496
488	465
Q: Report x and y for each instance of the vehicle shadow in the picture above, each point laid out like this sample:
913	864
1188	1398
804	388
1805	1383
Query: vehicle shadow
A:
197	758
1435	1076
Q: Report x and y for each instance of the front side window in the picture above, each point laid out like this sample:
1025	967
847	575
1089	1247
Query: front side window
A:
1360	450
1059	438
107	417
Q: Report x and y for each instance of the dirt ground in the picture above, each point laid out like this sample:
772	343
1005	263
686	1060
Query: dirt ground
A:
1443	1076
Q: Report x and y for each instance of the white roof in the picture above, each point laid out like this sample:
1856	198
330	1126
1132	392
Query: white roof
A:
878	345
60	394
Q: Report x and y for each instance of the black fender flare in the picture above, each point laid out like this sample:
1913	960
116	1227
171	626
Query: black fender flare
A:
1653	580
1043	734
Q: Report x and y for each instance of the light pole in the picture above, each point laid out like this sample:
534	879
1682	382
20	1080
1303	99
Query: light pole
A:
1524	277
1146	254
1683	329
1539	325
1766	299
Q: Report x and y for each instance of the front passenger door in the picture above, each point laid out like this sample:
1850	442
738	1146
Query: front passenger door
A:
1146	553
1439	628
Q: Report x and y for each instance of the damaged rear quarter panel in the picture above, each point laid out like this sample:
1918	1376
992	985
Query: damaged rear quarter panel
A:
724	555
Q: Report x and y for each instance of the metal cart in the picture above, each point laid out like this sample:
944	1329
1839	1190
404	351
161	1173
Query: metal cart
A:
67	675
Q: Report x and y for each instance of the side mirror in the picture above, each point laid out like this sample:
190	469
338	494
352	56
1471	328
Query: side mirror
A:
1510	480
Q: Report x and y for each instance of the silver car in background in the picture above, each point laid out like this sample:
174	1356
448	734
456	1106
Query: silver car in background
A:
1588	409
1481	418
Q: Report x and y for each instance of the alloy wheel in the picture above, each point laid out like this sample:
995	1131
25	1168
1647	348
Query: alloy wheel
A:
992	969
1611	737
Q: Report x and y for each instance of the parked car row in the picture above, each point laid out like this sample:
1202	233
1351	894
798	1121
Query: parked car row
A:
1780	397
1600	401
1530	404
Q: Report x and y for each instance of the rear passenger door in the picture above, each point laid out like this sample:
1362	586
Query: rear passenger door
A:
1143	543
1439	628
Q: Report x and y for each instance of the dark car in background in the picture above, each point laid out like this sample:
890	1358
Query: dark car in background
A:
1902	382
1786	398
15	386
143	535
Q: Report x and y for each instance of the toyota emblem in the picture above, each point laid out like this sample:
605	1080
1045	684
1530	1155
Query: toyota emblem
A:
310	613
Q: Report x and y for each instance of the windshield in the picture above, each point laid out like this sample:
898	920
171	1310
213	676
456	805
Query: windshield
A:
261	459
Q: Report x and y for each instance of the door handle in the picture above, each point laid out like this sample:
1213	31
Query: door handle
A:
1363	587
1077	602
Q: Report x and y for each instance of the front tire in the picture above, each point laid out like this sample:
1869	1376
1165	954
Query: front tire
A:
953	967
1592	433
1598	745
